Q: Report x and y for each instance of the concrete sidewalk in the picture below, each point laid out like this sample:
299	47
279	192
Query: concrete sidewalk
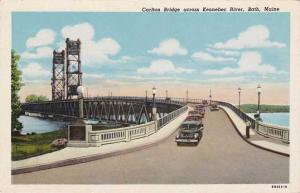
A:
256	139
73	155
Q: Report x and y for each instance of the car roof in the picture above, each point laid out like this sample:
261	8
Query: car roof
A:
192	122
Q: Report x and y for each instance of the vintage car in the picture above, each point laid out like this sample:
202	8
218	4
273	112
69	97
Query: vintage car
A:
204	102
190	132
195	117
200	110
193	112
214	107
196	113
199	106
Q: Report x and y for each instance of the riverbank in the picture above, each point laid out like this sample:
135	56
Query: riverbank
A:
27	146
252	108
31	145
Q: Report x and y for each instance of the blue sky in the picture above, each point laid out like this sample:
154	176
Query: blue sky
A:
121	49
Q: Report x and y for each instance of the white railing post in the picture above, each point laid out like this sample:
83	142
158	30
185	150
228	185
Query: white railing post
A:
127	136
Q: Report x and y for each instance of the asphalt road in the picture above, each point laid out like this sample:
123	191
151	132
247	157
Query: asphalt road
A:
221	157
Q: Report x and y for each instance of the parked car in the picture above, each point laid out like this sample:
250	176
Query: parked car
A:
189	132
214	107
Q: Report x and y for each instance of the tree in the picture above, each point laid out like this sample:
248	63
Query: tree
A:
15	88
35	98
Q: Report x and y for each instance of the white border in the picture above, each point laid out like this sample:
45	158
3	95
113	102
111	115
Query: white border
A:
6	7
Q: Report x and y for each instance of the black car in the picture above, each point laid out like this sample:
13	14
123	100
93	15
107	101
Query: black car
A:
214	107
190	132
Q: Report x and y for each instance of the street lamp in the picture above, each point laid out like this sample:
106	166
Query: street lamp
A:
209	96
154	107
146	92
258	102
166	94
239	89
80	91
187	95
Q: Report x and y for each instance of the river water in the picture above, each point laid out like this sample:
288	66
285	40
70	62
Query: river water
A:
275	118
40	125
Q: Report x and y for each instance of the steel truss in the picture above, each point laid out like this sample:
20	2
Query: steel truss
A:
74	74
58	76
105	108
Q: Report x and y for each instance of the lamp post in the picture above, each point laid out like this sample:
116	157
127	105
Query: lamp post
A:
239	90
146	98
80	91
209	96
166	94
258	98
154	107
187	95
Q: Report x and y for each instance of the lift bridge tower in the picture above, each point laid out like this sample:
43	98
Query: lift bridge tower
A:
73	70
58	76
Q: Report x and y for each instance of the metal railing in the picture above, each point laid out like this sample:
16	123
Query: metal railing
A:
97	138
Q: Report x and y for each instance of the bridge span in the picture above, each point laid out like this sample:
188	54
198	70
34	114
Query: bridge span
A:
222	156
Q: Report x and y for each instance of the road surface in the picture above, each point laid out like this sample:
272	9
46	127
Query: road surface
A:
221	157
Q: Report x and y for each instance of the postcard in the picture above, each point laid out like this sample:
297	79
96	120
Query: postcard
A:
140	96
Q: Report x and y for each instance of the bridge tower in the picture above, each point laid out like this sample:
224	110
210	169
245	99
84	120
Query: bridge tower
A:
58	76
74	74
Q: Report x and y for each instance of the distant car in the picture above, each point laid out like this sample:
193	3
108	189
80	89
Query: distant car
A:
196	113
189	132
214	107
193	112
204	102
196	117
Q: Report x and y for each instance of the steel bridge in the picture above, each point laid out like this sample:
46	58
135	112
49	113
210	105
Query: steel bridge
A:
120	109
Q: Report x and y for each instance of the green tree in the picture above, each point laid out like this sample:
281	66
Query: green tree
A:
35	98
15	87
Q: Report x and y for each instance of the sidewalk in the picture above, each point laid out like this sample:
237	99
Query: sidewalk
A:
73	155
256	139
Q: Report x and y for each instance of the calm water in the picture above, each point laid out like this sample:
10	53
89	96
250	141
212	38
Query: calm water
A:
38	125
275	118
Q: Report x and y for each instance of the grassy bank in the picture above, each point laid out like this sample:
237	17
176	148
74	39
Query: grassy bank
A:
252	108
33	145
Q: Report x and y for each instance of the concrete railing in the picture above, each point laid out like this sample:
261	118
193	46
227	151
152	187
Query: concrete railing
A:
98	138
273	131
268	130
169	117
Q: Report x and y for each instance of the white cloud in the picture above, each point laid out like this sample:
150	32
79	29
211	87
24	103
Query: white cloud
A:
204	56
42	52
163	67
34	70
250	62
93	52
169	47
256	36
42	38
224	52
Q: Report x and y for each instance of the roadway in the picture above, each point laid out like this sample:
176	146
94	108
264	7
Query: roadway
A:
221	157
